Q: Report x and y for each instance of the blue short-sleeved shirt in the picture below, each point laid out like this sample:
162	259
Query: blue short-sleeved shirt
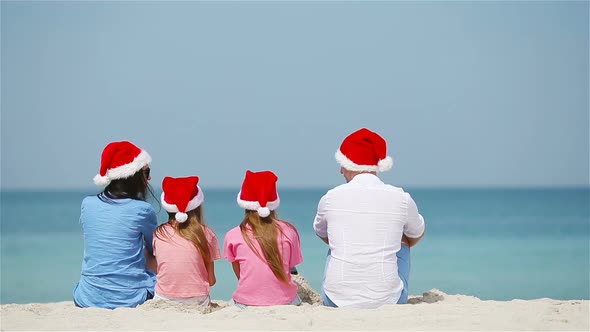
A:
113	270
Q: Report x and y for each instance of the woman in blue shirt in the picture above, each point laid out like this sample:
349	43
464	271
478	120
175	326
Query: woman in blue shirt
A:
118	226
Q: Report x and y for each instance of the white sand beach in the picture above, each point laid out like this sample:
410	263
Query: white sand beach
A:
434	310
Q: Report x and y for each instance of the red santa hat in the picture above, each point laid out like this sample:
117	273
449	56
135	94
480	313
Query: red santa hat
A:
181	195
364	150
259	192
120	160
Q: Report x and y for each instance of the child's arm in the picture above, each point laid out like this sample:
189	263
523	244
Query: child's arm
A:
229	250
236	267
211	271
214	254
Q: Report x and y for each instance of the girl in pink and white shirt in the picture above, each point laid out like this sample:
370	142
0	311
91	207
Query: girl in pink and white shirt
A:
263	249
184	247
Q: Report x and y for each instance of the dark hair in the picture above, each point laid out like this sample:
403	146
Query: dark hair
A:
134	187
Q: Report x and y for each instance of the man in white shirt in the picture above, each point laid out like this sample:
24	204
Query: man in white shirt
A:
369	227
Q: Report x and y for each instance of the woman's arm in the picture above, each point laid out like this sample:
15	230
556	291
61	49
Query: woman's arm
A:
147	230
148	226
150	261
210	266
236	267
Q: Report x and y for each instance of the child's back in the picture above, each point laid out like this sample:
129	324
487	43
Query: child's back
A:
263	249
182	272
184	247
258	285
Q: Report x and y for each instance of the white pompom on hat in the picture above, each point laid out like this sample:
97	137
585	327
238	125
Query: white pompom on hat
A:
364	151
259	193
181	195
120	160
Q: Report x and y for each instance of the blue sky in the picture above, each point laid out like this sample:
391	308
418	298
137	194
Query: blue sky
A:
466	93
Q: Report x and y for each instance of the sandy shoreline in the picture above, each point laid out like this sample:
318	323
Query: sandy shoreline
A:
433	310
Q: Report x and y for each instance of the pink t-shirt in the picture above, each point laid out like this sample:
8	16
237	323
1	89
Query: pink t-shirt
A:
257	284
181	269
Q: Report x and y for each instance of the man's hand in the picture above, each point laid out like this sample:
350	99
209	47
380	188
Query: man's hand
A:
411	241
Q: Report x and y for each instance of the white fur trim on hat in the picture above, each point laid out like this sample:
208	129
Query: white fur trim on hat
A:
385	164
101	181
255	205
123	171
181	217
192	204
263	212
351	166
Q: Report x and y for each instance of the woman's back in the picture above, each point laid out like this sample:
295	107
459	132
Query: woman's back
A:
113	269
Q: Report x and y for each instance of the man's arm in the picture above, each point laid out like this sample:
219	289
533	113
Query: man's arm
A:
411	241
320	224
414	228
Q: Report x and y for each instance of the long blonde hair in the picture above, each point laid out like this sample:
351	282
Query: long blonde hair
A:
265	231
193	229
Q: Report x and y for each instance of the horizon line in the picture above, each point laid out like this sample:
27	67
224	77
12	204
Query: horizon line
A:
413	187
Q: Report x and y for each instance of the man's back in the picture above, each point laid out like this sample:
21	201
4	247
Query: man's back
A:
364	221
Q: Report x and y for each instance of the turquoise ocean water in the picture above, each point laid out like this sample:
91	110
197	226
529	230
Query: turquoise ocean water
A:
498	244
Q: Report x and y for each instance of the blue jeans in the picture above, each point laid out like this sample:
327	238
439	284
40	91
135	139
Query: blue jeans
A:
403	270
149	296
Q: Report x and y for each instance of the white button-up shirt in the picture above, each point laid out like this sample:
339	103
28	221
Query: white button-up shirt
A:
364	221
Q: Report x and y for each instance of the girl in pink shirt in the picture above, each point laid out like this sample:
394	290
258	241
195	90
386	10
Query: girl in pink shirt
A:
184	247
263	249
